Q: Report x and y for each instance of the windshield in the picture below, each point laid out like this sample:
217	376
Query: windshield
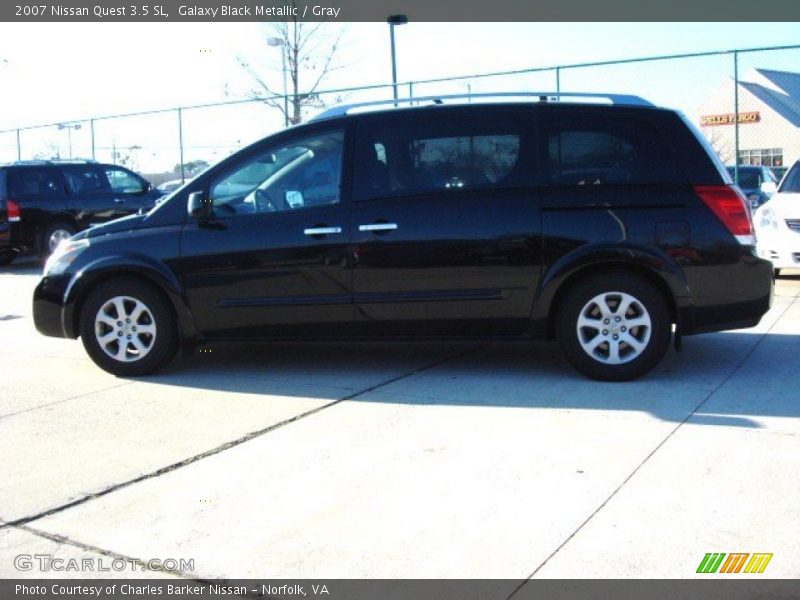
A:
748	178
791	182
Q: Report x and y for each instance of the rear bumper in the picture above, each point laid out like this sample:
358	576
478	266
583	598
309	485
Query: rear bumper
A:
751	286
6	246
15	238
50	314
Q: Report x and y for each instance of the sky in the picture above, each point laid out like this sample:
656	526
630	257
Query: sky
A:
63	72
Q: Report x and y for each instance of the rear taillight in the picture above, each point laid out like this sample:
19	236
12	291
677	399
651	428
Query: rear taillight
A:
12	211
730	207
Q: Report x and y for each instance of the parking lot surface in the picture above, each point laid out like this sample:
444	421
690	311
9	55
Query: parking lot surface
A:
468	460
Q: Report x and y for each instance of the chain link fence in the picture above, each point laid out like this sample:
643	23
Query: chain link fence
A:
745	101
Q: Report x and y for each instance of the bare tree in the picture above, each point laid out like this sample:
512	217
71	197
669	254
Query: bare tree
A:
310	53
720	145
127	156
52	150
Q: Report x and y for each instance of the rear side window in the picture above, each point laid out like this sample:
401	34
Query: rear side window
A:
33	182
85	181
605	149
434	157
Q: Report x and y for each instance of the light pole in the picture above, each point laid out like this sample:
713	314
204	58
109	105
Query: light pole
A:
69	129
276	41
394	20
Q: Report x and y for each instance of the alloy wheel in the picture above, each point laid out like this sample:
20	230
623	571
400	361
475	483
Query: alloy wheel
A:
125	328
614	328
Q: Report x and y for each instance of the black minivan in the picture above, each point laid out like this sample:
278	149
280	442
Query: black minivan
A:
609	227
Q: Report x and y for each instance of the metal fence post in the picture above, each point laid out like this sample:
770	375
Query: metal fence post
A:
736	116
180	141
410	91
19	147
91	131
558	80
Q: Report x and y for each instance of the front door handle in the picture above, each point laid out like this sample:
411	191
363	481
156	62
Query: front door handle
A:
119	200
378	227
322	230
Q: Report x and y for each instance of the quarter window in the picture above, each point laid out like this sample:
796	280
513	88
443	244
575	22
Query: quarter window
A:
606	150
299	175
33	182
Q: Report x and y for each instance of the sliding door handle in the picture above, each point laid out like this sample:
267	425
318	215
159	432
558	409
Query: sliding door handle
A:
378	227
322	230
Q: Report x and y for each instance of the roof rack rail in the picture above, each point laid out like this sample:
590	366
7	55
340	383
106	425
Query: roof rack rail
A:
625	99
53	161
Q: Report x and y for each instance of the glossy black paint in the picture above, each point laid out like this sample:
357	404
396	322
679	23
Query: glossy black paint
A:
462	263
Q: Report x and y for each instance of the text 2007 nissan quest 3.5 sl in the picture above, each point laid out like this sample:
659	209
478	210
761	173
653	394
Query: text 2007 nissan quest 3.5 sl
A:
610	226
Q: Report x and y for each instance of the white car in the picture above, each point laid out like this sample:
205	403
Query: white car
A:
777	224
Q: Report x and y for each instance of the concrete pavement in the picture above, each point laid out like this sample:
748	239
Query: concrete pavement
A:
432	460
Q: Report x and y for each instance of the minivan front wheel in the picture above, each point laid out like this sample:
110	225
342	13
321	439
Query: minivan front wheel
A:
127	328
53	235
614	327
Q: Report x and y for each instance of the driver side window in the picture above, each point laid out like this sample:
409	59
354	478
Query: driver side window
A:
123	182
302	174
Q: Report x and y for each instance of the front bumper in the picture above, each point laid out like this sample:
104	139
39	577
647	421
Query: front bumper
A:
50	311
781	247
782	258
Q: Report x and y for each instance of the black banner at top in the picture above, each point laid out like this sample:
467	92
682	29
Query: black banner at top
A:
378	10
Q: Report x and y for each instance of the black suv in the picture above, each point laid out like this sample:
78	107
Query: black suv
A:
607	227
42	203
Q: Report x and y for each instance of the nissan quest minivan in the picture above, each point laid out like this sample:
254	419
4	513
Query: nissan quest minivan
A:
610	227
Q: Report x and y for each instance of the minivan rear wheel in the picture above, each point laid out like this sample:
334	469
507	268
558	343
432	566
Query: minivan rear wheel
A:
127	328
614	327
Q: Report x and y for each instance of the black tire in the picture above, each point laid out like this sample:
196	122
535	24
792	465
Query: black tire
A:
777	273
53	230
161	345
649	302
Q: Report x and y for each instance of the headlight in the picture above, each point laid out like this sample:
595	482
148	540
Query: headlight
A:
64	255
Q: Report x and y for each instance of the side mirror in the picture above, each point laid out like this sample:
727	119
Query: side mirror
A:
294	199
199	207
768	188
